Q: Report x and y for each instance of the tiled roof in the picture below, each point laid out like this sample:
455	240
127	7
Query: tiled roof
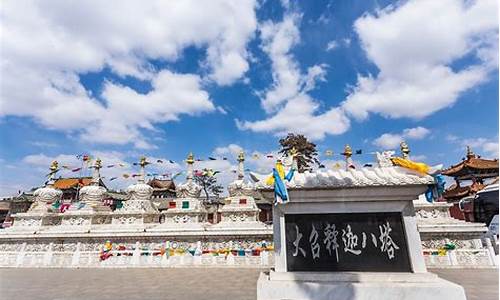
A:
458	192
472	164
162	184
67	183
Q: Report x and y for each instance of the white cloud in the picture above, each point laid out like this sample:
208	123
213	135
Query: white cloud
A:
288	99
46	45
416	133
298	116
485	145
392	140
413	45
231	149
332	45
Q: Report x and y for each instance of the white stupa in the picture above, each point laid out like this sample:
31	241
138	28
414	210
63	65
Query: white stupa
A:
46	195
91	196
139	195
240	208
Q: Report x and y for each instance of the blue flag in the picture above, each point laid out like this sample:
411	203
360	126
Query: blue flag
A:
280	191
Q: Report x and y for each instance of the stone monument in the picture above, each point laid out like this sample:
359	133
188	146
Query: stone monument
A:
351	234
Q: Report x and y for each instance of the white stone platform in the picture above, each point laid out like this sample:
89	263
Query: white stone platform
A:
356	285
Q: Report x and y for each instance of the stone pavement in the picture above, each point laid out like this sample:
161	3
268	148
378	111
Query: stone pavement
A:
181	283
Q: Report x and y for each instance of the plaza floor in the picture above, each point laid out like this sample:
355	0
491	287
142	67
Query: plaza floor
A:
185	283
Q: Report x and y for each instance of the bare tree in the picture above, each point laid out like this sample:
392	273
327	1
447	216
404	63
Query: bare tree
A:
207	180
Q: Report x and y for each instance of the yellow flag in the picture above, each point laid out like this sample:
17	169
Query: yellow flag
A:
281	172
406	163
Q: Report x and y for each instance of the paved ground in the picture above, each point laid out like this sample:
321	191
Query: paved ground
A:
101	284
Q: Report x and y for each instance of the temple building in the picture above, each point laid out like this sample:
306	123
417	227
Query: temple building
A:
162	188
471	175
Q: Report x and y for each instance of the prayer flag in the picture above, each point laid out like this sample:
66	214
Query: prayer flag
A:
159	161
359	151
110	166
171	161
76	170
212	158
329	153
113	178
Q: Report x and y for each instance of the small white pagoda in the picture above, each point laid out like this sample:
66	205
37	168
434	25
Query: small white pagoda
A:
137	211
187	209
40	214
240	209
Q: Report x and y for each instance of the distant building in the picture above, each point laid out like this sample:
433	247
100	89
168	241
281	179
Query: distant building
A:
4	211
162	188
18	204
471	175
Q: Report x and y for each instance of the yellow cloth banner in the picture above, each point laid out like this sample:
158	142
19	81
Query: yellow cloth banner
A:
406	163
281	172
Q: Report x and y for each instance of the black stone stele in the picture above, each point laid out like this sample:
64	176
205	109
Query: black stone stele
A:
335	242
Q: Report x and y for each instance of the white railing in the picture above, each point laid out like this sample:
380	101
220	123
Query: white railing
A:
128	258
459	258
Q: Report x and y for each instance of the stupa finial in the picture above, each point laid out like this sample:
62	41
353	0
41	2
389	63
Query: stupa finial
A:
190	158
470	153
96	175
405	149
142	163
54	167
241	159
348	153
241	156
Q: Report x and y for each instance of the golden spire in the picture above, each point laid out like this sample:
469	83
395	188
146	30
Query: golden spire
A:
347	151
142	161
97	163
241	156
190	158
54	166
405	149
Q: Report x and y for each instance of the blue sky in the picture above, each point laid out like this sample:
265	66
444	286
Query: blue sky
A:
120	81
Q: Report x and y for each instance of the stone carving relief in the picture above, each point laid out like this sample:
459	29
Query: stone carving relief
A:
76	221
431	214
127	220
182	219
28	222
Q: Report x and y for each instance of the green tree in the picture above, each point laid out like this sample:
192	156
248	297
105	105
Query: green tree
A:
207	180
306	151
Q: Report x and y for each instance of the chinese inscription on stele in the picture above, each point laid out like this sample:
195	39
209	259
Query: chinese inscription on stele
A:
371	242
